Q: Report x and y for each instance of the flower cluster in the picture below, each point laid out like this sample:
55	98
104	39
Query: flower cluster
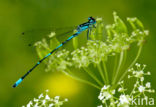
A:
80	58
94	52
59	62
44	100
139	86
110	41
106	93
119	38
123	99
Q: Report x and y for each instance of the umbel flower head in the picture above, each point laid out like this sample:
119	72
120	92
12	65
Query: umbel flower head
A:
44	100
103	59
124	99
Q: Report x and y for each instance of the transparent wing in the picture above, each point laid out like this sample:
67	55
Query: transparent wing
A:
29	37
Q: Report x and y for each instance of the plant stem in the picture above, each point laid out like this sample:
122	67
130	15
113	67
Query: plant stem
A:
106	104
119	67
112	100
101	73
133	62
93	76
81	80
133	88
137	95
115	66
105	71
125	57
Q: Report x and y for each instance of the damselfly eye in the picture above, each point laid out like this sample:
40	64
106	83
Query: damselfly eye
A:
91	19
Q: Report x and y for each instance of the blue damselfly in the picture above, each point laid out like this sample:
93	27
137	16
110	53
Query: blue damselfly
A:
80	28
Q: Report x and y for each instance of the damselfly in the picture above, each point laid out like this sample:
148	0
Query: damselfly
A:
80	28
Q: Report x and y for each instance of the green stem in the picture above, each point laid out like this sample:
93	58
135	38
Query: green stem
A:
112	100
137	95
119	66
133	88
125	57
93	76
39	52
115	66
101	73
105	71
106	104
75	43
81	80
116	98
134	61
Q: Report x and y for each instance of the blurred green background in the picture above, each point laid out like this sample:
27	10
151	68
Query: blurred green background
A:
16	58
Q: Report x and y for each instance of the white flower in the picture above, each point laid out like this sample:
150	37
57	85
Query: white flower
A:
141	88
138	73
52	34
101	96
142	79
57	97
105	87
100	106
146	32
47	97
135	85
121	82
47	90
148	73
113	92
66	99
41	95
148	85
137	64
51	105
29	104
107	95
43	102
36	100
124	99
36	105
121	89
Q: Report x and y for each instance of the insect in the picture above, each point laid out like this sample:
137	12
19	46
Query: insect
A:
80	28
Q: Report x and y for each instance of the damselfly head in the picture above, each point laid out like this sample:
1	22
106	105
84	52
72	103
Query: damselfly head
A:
91	20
